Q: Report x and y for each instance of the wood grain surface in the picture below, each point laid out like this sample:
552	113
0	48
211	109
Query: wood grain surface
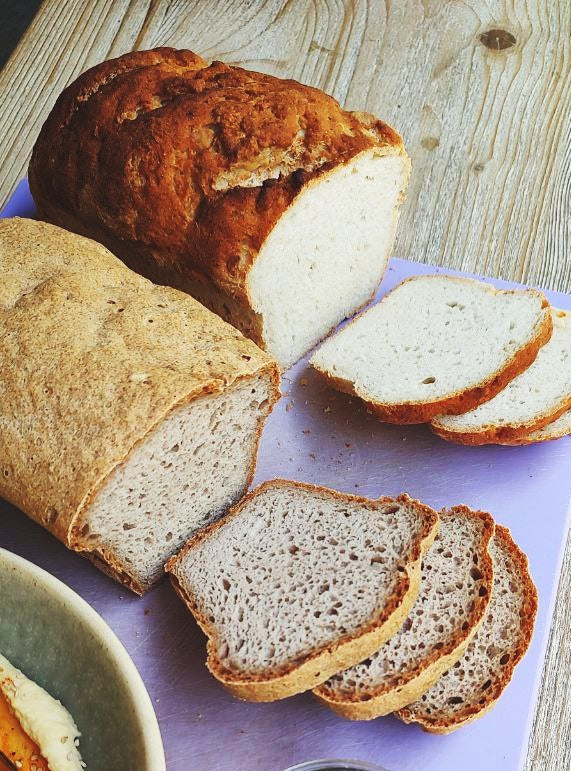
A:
480	90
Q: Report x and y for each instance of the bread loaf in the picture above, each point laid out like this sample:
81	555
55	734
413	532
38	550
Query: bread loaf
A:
129	414
298	582
260	196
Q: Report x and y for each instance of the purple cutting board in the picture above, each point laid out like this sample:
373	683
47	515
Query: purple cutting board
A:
317	435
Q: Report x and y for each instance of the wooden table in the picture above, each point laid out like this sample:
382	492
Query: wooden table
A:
481	92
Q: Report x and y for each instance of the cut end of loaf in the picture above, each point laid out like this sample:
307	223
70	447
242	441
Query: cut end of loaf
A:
311	580
326	255
181	477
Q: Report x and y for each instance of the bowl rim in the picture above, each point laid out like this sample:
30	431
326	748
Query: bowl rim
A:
335	763
131	680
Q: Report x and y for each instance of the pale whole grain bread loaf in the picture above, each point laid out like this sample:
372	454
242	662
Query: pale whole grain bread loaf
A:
476	681
455	589
129	413
531	401
260	196
435	345
298	582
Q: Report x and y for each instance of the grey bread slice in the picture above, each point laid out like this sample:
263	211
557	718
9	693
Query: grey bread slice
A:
455	589
531	401
435	345
473	685
298	582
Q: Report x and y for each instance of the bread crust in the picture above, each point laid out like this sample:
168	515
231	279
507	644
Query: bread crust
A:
460	401
550	433
84	380
322	663
182	168
412	684
439	725
510	433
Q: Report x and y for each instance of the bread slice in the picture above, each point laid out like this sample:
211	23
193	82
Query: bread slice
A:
455	588
260	196
473	685
298	582
435	345
129	414
556	430
529	402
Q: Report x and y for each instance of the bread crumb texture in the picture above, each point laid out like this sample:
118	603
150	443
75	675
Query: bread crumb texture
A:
93	358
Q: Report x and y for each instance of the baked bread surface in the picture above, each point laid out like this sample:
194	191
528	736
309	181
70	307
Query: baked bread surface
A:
93	358
182	168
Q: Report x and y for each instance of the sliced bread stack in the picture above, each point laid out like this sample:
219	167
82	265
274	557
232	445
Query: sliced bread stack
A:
300	587
298	582
526	409
480	365
456	585
473	685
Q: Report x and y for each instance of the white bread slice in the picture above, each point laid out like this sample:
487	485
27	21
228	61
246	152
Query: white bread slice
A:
473	685
529	402
556	430
298	582
435	345
455	589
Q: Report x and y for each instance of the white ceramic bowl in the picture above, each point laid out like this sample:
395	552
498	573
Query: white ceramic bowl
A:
58	640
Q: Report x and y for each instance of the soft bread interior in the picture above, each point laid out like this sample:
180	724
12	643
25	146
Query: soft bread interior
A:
183	476
452	585
327	253
295	570
542	389
430	338
476	680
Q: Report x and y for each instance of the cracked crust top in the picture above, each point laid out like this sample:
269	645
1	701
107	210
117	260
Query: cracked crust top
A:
181	166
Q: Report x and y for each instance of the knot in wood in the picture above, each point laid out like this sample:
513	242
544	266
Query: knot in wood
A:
497	39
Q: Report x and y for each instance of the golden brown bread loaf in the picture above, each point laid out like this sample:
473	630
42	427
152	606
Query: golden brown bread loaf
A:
183	170
129	413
